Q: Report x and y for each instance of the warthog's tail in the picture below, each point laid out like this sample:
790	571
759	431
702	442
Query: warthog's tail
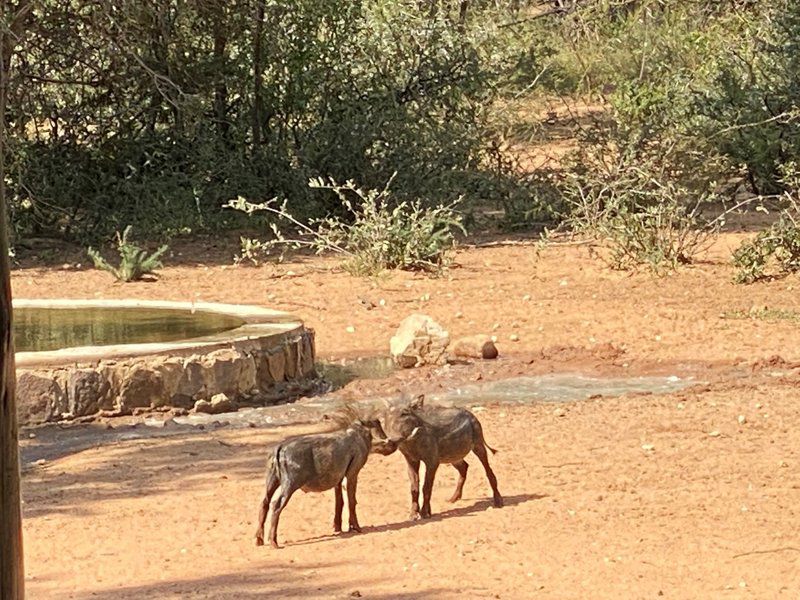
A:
489	447
272	468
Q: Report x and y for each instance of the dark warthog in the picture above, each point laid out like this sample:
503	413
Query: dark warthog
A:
319	462
435	435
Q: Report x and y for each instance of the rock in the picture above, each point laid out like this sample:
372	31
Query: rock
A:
741	419
714	433
560	412
86	392
45	398
202	406
141	387
419	341
648	447
219	403
514	337
474	346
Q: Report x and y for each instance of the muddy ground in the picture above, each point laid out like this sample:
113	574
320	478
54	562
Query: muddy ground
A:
687	495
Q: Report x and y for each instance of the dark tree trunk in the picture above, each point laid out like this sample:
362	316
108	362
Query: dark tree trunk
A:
258	70
12	585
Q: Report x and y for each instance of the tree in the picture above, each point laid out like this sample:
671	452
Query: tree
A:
12	587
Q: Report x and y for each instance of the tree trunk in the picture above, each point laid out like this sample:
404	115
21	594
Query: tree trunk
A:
258	70
12	585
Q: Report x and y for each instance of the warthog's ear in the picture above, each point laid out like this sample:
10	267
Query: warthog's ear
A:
417	402
413	434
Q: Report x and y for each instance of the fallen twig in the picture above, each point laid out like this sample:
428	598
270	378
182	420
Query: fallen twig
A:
767	551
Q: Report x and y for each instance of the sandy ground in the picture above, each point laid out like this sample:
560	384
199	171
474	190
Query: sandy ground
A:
636	497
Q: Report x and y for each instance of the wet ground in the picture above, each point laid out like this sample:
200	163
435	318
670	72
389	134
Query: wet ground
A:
54	441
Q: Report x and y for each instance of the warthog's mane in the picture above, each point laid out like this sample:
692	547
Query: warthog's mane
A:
346	414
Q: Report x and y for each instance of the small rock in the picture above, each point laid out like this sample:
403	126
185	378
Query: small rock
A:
355	594
648	447
382	302
474	346
526	298
496	326
31	436
681	406
741	419
563	282
202	406
425	297
458	315
714	433
514	337
758	405
559	412
41	462
783	464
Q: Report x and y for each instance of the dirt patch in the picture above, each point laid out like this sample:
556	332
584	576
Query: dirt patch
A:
690	495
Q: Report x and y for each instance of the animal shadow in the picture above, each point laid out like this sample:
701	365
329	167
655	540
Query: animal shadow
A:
462	511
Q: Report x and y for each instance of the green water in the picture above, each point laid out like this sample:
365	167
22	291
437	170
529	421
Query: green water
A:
39	329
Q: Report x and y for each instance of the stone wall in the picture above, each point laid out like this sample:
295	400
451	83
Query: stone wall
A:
252	372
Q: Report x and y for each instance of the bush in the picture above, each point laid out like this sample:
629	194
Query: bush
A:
134	263
776	250
376	232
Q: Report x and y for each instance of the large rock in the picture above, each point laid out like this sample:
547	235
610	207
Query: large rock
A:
419	341
143	387
220	403
474	346
46	399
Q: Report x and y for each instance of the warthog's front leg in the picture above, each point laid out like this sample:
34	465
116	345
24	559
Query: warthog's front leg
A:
272	485
427	487
337	511
461	466
352	485
413	478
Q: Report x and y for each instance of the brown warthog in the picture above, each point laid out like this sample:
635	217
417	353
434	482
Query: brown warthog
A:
319	462
435	435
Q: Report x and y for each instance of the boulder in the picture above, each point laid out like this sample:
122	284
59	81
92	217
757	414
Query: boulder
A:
419	341
219	403
474	346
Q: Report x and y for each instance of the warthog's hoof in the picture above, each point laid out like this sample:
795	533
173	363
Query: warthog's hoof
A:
498	502
425	513
274	544
354	529
455	498
259	541
337	529
415	516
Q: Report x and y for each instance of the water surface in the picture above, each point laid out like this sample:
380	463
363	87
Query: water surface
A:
41	329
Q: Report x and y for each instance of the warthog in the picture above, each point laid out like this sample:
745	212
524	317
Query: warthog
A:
435	435
319	462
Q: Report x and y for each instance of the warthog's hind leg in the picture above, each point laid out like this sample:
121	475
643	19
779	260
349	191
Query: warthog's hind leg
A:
461	466
272	485
480	452
278	504
352	485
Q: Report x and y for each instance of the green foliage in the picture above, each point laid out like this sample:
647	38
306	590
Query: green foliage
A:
134	263
643	218
774	251
779	246
375	234
154	114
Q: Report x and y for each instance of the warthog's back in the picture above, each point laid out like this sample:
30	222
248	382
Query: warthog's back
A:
456	430
318	462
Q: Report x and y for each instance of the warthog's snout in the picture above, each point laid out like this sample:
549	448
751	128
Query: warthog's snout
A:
384	446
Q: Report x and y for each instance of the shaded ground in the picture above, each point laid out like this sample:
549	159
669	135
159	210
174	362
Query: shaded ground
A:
632	497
